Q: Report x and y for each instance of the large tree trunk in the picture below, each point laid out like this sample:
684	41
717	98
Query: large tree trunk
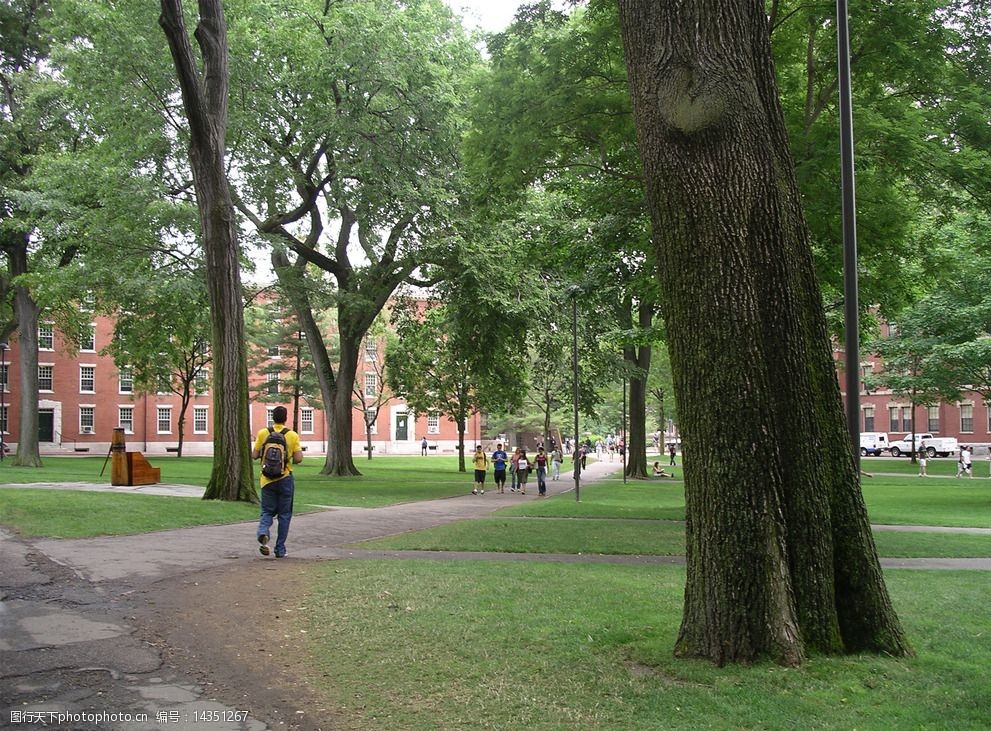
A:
636	442
205	101
339	460
780	555
26	312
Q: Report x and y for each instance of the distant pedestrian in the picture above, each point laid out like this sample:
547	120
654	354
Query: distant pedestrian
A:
556	459
541	462
672	451
423	447
522	471
967	456
584	450
481	463
923	461
513	463
499	460
277	446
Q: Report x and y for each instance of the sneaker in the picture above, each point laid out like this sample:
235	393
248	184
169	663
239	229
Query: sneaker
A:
474	492
281	555
481	492
263	548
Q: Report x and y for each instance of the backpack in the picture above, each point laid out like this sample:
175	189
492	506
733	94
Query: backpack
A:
275	454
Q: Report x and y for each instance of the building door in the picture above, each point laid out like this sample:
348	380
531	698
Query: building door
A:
46	425
402	427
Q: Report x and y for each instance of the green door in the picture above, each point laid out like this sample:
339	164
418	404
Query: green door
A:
402	427
46	425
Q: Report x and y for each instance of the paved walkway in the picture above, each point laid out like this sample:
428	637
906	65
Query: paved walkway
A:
65	604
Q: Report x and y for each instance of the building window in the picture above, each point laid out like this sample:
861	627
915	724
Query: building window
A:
269	421
306	421
87	338
164	419
274	352
966	417
894	421
126	382
201	382
125	418
46	336
932	419
45	377
371	415
3	418
87	379
433	423
371	384
86	421
4	370
869	418
273	383
165	383
371	350
907	418
199	420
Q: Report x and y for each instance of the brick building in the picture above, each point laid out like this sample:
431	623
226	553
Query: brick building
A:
83	396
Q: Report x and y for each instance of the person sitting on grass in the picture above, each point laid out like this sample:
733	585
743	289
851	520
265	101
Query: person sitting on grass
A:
659	471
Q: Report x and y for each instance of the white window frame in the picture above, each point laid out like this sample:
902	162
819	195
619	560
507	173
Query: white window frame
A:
159	410
306	420
46	333
201	382
433	423
89	344
371	350
869	418
90	428
371	384
126	424
51	377
201	413
3	418
968	409
5	377
273	383
374	428
82	378
125	378
932	419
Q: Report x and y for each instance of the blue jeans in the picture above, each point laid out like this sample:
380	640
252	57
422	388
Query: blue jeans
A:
277	503
542	480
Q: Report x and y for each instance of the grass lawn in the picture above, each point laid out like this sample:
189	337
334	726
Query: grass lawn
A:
64	513
457	645
946	466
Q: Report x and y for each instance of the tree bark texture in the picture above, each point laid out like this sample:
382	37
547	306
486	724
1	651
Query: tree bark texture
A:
781	560
26	312
204	98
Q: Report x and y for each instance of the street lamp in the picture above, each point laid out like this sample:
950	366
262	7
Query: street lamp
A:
3	397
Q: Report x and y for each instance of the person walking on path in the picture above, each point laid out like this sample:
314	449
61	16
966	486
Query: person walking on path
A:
923	461
522	471
423	447
481	463
277	446
499	460
672	451
965	463
556	459
541	462
513	462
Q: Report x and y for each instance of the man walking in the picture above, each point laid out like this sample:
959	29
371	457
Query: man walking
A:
278	448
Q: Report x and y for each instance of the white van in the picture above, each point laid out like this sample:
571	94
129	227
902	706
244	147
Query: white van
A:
873	443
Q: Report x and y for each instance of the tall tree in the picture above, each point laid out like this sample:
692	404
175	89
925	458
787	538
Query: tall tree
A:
781	560
354	129
204	96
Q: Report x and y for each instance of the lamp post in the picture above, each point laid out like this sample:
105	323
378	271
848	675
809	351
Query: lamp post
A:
574	388
849	209
3	397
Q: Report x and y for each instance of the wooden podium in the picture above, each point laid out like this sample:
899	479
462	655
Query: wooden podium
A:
130	468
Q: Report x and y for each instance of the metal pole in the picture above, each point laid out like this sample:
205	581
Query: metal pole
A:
574	389
850	296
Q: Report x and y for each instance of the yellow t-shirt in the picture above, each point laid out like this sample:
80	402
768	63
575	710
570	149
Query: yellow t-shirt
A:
481	461
292	446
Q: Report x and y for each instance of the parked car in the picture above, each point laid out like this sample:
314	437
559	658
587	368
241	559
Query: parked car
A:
873	443
943	446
